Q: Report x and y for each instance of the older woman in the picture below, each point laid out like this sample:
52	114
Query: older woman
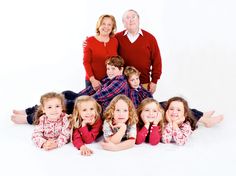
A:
98	48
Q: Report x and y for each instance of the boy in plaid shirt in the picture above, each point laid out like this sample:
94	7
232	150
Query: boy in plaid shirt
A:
113	84
137	93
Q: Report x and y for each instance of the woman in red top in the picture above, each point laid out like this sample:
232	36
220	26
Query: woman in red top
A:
98	48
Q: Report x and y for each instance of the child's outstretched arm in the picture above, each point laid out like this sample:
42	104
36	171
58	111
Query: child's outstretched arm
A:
77	139
37	136
64	137
85	151
108	145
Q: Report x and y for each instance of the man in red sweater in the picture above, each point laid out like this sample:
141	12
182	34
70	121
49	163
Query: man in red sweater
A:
140	49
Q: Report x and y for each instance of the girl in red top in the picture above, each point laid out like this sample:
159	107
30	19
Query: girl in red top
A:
87	123
150	123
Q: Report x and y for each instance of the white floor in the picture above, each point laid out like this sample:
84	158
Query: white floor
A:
41	51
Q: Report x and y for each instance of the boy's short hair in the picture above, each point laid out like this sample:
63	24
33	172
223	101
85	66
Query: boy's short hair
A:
116	61
130	70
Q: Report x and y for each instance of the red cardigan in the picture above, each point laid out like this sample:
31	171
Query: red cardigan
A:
142	54
86	134
153	136
95	55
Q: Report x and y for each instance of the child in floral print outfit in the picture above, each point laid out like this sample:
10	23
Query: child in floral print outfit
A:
179	122
52	128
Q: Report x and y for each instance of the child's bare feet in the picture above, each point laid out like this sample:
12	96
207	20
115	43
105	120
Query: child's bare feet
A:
210	121
22	112
208	114
19	119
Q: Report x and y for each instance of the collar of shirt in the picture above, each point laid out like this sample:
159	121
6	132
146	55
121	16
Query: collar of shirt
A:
133	38
138	88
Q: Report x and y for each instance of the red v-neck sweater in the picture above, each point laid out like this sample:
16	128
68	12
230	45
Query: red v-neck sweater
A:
143	54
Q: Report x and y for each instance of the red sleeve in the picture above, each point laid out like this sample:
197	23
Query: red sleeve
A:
141	135
156	61
76	139
88	136
155	135
87	58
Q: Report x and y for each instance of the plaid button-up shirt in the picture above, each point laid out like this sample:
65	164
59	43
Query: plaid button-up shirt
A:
139	94
110	88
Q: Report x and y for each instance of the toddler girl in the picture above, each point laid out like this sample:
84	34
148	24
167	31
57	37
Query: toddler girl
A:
178	122
87	123
52	128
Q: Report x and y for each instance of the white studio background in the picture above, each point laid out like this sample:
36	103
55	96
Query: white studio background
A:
41	51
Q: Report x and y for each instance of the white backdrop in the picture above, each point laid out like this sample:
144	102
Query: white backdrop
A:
41	51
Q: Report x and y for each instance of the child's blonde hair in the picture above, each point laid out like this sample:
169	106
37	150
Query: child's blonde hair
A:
143	104
77	120
130	70
45	97
109	112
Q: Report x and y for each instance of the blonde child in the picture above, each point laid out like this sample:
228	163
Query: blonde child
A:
136	93
52	128
150	123
119	126
88	124
178	122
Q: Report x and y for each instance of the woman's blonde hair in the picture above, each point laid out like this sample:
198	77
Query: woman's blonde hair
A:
77	120
143	104
44	98
109	112
99	23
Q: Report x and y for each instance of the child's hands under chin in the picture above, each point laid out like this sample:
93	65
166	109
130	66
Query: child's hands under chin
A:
157	119
179	120
88	121
145	120
119	126
168	118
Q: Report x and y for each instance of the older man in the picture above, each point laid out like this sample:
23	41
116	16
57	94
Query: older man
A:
139	48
